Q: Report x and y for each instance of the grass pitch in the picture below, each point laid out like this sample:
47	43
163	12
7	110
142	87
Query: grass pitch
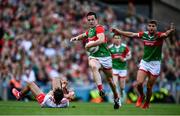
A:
81	108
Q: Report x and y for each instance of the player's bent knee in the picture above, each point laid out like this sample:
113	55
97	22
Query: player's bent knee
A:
139	82
94	67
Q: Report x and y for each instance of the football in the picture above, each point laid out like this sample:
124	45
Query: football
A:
93	49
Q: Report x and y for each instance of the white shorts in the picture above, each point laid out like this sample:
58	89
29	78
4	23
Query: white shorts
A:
121	73
106	62
152	67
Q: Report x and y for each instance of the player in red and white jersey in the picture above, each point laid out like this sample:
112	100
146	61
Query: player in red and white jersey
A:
58	97
151	62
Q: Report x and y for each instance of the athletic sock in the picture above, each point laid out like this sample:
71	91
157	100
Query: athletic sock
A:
100	88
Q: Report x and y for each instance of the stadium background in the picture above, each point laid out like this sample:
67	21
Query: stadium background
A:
35	45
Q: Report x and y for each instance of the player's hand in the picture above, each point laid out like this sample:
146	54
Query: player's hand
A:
88	45
71	94
64	83
121	58
114	30
74	39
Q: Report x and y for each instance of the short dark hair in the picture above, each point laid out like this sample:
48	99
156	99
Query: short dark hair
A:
152	22
119	36
58	95
91	13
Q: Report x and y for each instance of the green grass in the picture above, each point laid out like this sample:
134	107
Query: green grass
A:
81	108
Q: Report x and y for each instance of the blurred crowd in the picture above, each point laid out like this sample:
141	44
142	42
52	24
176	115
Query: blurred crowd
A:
35	46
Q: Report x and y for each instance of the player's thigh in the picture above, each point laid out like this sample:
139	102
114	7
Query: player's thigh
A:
123	81
123	76
34	89
115	75
141	76
108	72
116	79
94	64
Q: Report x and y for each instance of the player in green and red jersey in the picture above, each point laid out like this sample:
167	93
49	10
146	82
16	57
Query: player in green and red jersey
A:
120	53
151	62
99	59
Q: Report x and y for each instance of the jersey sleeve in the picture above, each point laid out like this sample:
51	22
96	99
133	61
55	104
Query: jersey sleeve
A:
99	29
127	50
86	33
159	34
127	53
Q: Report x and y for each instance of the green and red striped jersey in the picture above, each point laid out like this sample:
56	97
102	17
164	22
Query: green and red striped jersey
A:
91	36
117	51
152	45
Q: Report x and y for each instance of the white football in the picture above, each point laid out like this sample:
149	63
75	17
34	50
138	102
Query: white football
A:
93	49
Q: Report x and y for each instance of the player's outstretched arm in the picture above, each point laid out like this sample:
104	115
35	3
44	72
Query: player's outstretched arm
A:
168	32
79	37
124	33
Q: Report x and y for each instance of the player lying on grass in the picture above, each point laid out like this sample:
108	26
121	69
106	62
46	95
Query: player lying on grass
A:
58	97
